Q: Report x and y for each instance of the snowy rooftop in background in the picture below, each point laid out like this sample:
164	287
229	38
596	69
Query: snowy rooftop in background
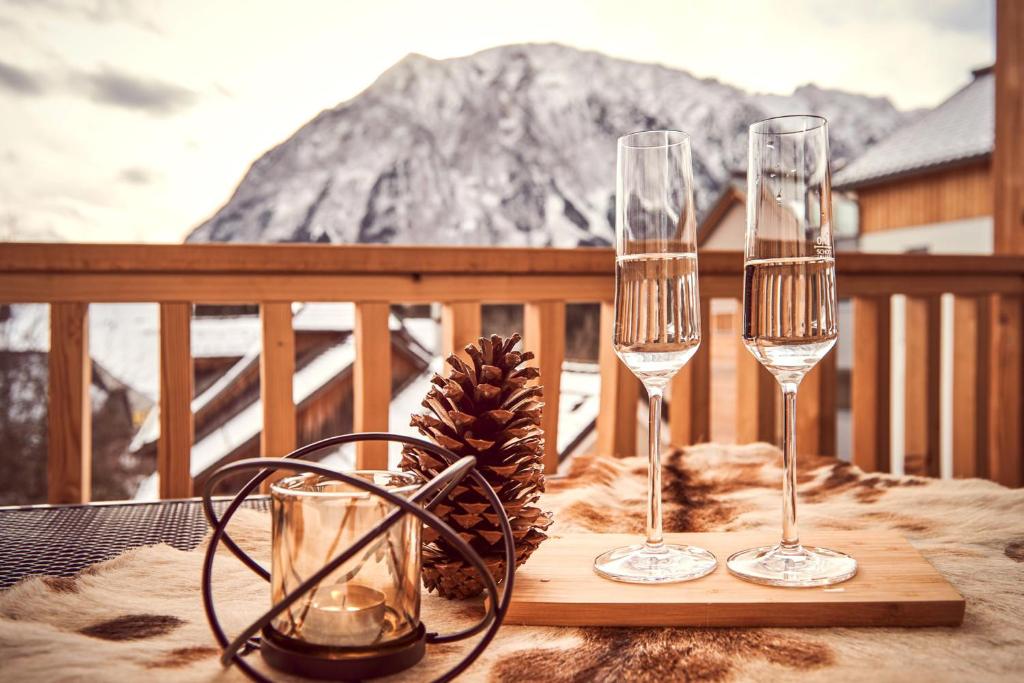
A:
247	423
959	129
125	338
578	408
577	414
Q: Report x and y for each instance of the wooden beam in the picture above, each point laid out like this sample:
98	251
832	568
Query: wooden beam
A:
460	325
870	380
1006	380
690	391
923	386
544	334
277	369
1008	155
174	447
372	386
620	390
816	409
758	417
69	449
1005	383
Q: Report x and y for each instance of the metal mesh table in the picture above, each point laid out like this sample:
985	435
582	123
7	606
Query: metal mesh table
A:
61	540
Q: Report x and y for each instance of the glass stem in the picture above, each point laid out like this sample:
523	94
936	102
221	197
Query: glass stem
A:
654	533
790	534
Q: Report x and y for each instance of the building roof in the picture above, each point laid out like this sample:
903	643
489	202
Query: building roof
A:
735	193
125	338
959	130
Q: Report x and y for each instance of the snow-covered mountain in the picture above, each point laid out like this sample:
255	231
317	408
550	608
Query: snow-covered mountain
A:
511	146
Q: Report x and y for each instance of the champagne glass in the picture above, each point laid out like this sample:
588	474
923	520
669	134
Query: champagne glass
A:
789	313
657	321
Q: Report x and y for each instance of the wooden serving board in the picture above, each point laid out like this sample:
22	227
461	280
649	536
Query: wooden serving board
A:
894	586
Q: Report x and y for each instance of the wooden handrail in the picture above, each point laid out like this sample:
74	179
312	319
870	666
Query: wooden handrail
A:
989	291
269	259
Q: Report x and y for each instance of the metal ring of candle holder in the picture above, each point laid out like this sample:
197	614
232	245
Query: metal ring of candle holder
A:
439	487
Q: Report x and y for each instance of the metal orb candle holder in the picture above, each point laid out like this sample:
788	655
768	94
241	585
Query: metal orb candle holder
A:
345	579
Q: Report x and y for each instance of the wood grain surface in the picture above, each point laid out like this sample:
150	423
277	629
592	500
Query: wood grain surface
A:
894	586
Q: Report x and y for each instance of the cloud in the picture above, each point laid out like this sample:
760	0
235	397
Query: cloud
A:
97	11
120	89
136	175
972	17
20	81
106	86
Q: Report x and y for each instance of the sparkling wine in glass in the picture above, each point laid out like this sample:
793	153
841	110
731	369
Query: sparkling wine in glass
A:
789	313
657	322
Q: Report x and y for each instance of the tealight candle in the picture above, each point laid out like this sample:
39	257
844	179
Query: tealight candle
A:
346	615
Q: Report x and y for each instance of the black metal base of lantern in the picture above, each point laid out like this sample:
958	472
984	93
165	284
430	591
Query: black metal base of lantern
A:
341	663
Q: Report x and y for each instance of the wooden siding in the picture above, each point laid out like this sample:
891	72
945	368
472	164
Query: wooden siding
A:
948	195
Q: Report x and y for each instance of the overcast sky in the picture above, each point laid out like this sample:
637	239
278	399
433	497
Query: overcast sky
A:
126	121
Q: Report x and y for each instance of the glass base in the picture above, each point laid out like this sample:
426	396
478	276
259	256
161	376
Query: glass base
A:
657	564
797	567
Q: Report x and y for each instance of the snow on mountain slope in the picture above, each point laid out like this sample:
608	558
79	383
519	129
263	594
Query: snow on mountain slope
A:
511	146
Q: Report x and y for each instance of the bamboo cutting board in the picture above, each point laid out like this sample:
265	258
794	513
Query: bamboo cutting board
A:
894	586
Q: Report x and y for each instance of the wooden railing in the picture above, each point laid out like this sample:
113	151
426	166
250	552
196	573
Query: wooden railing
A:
987	374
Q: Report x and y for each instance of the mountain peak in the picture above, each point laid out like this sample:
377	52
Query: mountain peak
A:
513	146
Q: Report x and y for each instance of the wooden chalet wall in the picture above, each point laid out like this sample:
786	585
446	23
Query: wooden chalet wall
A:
951	194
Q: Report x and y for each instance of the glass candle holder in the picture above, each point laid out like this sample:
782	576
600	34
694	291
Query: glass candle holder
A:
371	601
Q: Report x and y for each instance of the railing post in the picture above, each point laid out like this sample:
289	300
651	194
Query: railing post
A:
69	464
277	370
816	408
923	364
970	377
690	392
870	382
174	448
460	325
372	386
1005	408
757	397
544	334
616	421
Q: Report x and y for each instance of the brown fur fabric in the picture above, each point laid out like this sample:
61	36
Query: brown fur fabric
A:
139	615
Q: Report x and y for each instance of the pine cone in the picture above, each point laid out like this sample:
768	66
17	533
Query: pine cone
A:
484	409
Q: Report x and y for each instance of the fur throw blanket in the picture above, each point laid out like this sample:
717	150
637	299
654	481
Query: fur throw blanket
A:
139	616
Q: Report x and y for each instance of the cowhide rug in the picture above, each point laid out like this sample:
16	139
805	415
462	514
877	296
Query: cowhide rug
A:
138	617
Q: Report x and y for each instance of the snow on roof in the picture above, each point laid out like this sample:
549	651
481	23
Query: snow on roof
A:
403	405
325	317
959	129
27	328
579	403
426	333
578	409
247	423
125	338
319	317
